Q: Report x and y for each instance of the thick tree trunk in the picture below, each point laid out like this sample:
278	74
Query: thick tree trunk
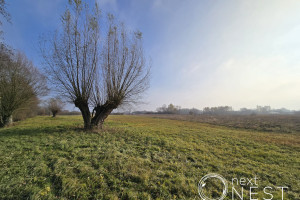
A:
5	121
54	114
85	112
86	118
101	114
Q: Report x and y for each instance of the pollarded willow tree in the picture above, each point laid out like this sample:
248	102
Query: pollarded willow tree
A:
97	74
55	105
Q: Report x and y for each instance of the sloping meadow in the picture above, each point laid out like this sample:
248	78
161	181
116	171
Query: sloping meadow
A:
138	157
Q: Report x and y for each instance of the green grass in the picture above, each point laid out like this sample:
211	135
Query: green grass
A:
139	158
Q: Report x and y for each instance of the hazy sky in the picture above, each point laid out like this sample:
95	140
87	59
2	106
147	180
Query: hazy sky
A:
203	52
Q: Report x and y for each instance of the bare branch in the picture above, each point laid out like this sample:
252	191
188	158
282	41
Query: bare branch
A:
93	75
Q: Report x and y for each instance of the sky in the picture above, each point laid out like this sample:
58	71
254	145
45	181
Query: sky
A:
202	52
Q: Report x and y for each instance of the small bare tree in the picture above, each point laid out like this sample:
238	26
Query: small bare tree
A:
20	82
96	74
55	105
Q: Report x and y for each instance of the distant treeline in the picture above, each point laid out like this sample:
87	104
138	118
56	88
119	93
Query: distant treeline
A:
38	107
219	110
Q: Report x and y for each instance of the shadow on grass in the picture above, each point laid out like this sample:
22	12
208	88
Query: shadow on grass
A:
38	131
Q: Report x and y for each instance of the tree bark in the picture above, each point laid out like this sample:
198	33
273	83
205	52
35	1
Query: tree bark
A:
101	113
86	117
6	120
85	112
54	114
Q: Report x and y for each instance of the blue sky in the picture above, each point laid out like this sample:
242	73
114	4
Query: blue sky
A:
203	52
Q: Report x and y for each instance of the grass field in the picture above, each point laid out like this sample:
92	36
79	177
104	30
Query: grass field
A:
137	157
267	123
